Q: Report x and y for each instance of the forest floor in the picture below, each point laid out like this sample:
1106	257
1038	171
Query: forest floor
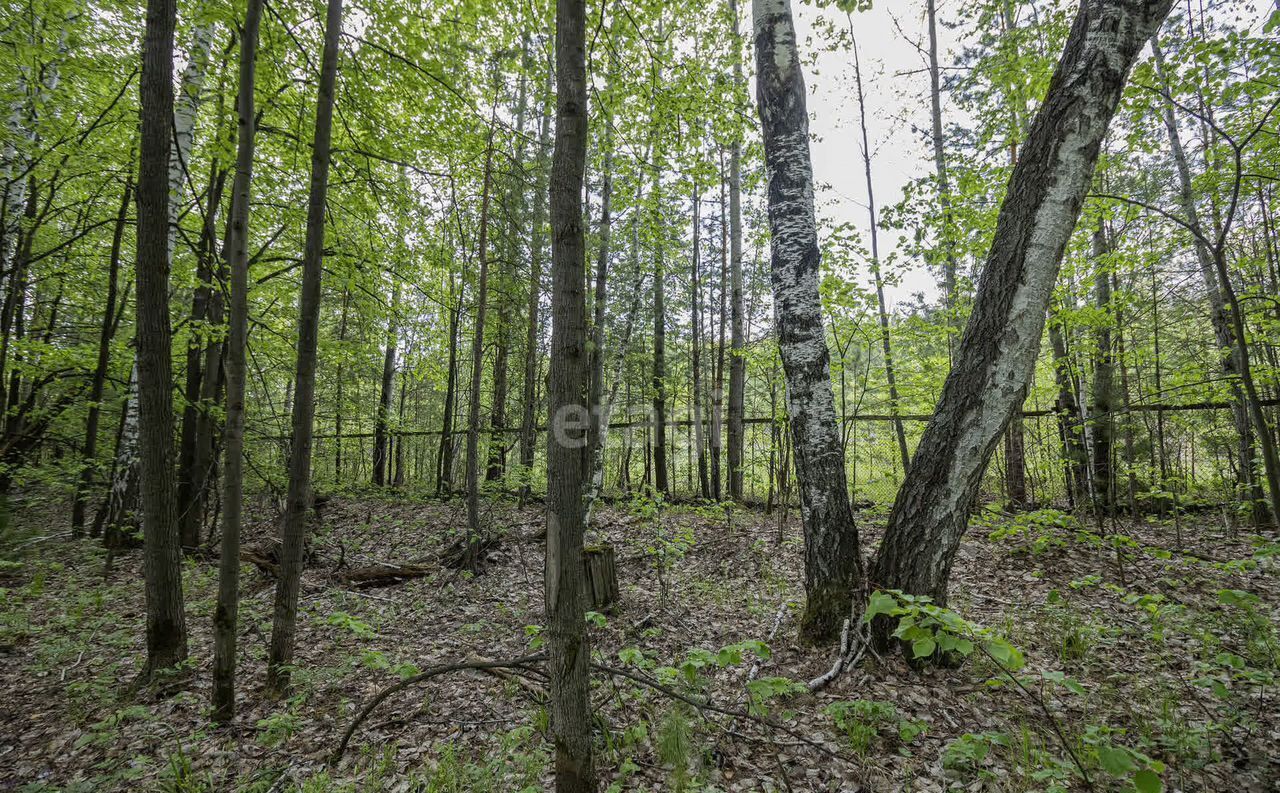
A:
1142	660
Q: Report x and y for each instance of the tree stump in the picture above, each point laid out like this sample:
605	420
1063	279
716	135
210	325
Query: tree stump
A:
601	577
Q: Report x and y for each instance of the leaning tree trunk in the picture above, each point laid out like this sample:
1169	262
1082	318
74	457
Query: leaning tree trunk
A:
166	620
225	615
293	531
569	651
998	351
833	565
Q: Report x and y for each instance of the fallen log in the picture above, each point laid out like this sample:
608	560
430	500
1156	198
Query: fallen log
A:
383	574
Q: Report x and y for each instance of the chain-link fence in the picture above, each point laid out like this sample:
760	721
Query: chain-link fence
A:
1156	452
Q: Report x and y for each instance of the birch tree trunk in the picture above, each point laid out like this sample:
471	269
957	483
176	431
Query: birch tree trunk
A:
569	651
294	529
833	565
166	620
1002	339
226	613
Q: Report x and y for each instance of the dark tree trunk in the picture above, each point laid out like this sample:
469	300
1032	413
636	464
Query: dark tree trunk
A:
477	360
98	387
166	620
569	651
659	348
1070	429
737	341
998	351
1103	379
528	421
381	455
444	469
226	613
833	564
294	529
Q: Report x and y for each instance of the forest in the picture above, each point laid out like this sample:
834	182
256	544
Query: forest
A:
640	395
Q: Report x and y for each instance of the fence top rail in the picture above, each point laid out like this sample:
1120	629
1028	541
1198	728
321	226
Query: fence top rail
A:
1151	407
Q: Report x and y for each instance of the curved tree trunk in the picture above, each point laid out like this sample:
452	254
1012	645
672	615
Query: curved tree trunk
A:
998	351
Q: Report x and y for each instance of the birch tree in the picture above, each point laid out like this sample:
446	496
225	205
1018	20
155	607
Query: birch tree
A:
1002	339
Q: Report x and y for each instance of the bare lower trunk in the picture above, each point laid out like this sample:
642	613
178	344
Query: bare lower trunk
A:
1103	380
569	651
997	354
833	565
381	456
166	620
225	616
98	386
293	531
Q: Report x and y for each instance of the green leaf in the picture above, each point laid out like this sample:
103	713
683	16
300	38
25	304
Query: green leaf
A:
1115	760
923	648
879	603
1147	781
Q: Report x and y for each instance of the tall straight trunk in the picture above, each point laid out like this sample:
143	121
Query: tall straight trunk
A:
1070	430
1223	333
497	462
1015	461
339	402
477	356
294	529
1131	476
595	355
737	341
166	620
717	387
97	387
226	613
660	469
704	486
398	458
946	239
381	457
444	470
569	650
203	376
528	421
998	351
833	563
886	346
1103	378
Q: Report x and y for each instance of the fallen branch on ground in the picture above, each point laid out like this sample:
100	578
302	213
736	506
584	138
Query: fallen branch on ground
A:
426	674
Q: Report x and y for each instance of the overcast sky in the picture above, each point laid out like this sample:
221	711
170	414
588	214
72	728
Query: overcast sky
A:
896	86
